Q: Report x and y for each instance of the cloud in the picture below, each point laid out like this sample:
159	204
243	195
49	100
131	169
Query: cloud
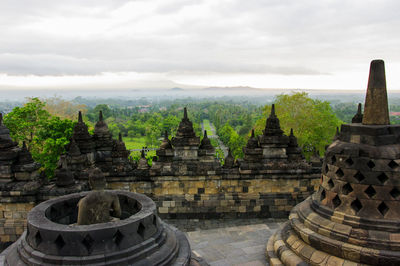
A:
277	37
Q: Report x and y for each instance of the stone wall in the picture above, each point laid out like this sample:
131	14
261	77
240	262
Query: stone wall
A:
13	220
13	212
224	196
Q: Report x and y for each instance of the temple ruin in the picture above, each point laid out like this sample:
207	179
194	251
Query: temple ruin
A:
185	179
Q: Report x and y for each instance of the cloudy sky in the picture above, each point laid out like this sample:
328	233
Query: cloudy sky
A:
325	44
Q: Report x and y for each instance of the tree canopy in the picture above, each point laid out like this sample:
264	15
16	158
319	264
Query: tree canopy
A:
45	134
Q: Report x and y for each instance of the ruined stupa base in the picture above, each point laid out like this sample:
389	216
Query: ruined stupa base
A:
313	236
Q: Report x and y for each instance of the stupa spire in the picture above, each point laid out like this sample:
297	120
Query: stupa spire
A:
272	127
1	119
185	115
205	142
100	115
120	136
357	118
272	110
80	120
376	111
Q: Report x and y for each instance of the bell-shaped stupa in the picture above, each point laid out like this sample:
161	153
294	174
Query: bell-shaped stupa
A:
353	219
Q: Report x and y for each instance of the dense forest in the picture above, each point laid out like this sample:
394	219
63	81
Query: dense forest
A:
46	124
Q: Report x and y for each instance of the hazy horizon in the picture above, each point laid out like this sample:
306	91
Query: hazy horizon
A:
150	44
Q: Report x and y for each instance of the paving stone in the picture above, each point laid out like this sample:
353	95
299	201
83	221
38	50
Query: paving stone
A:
230	242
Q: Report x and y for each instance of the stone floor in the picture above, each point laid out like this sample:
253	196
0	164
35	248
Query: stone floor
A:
229	242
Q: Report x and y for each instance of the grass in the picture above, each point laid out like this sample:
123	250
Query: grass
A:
207	126
134	143
137	143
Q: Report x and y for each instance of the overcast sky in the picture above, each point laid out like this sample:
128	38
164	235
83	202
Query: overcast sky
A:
325	44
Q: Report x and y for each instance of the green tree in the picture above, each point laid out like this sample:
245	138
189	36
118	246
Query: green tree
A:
313	121
44	134
170	124
24	122
50	141
232	139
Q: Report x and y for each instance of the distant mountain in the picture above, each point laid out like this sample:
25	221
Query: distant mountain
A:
176	89
240	88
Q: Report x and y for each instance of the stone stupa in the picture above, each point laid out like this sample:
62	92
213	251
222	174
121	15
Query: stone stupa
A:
186	143
353	219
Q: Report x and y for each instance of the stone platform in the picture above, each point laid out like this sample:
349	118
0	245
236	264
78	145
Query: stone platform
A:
229	242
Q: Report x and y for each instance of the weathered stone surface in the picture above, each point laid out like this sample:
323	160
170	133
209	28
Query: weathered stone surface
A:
96	206
142	164
376	111
229	160
358	117
50	239
82	137
293	150
353	218
185	137
111	156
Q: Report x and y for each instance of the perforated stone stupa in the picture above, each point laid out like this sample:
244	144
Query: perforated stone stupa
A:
185	154
140	237
273	150
101	150
354	217
186	143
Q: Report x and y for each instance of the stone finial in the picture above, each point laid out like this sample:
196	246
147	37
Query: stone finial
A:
229	160
120	136
292	139
24	145
166	143
272	127
1	119
376	110
143	164
185	131
358	117
205	142
100	115
74	148
273	110
80	120
252	143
